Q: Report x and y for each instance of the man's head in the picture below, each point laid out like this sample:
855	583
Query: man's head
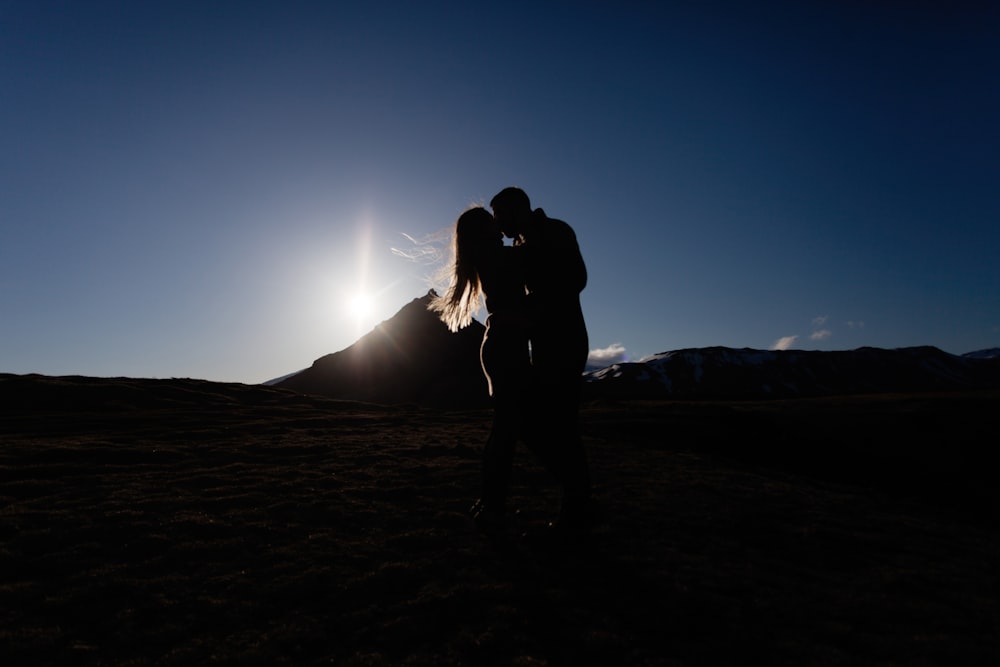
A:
512	210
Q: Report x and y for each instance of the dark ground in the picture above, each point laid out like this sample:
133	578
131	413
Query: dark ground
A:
184	522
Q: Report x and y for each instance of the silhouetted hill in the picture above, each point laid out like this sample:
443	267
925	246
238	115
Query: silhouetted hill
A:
413	358
726	373
409	358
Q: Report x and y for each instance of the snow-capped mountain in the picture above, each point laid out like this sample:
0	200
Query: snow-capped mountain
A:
991	353
720	372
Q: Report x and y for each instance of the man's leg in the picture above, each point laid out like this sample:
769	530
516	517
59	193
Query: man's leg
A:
573	458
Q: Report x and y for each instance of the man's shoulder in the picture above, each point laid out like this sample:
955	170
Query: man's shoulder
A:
551	224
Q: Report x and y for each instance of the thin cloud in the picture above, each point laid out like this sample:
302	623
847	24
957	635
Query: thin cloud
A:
784	343
603	357
430	249
822	334
820	321
855	324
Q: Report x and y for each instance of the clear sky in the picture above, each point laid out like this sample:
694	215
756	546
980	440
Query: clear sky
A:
199	189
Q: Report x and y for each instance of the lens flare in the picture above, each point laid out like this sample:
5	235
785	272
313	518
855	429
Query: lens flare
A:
360	306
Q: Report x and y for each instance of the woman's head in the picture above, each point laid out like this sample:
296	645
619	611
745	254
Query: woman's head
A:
476	233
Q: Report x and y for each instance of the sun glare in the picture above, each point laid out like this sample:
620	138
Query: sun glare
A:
360	306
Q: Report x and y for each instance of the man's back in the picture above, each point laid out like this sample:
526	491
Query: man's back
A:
556	270
556	274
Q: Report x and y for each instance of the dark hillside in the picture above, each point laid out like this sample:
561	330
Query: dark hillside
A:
181	522
410	358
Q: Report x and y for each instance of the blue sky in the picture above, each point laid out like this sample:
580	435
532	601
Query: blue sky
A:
199	189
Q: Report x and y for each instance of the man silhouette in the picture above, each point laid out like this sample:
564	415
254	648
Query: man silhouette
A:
555	274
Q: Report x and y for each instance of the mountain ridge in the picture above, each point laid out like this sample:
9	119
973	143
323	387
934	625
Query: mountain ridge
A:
412	358
747	373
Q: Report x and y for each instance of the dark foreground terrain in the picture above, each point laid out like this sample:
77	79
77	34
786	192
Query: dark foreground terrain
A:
183	522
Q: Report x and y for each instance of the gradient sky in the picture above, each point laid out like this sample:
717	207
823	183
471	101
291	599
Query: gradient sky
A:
198	189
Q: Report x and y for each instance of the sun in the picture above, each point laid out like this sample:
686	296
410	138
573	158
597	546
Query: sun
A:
360	306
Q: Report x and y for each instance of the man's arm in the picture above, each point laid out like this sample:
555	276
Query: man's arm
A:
568	272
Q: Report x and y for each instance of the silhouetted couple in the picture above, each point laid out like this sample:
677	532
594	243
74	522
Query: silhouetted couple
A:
534	350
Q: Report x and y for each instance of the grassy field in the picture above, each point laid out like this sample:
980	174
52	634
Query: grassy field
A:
181	522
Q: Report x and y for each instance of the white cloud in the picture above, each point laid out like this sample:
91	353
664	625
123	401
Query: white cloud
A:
784	343
822	334
430	249
601	358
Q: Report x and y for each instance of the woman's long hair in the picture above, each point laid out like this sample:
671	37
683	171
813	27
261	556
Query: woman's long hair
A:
463	297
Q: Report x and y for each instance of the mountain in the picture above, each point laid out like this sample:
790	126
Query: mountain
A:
991	353
409	358
726	373
276	381
412	358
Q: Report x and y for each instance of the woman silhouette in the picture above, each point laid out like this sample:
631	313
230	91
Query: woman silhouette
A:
483	268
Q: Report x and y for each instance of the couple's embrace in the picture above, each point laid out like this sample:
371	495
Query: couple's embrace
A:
535	347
